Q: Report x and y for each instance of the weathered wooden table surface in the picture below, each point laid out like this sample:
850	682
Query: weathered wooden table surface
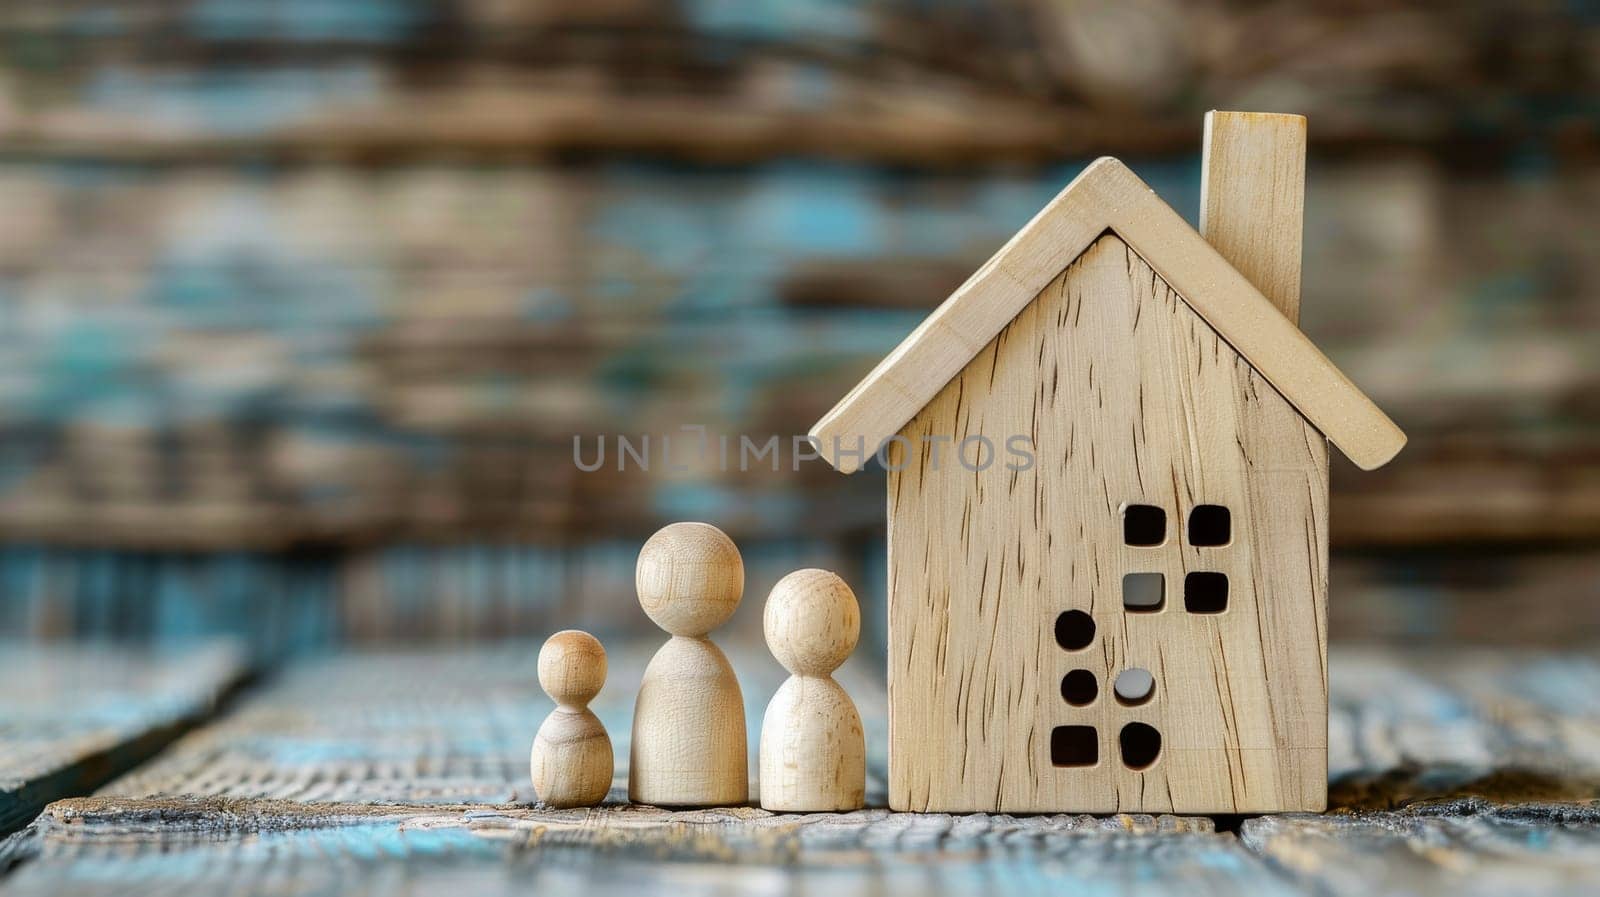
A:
73	716
402	773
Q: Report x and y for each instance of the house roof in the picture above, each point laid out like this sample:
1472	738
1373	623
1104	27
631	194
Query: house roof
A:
1107	196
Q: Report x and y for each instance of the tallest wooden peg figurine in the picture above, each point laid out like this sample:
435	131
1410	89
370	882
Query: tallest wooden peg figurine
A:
689	747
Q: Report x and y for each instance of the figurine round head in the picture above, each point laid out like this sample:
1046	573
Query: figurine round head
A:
572	667
690	578
812	622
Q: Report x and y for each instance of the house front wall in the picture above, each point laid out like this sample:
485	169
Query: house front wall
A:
1107	392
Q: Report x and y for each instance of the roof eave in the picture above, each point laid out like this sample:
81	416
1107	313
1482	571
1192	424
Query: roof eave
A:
1107	196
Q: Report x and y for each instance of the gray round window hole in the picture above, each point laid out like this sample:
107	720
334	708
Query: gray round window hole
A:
1141	745
1134	686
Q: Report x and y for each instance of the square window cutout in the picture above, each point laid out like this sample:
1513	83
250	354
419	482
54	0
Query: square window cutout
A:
1074	746
1144	525
1205	593
1143	593
1210	526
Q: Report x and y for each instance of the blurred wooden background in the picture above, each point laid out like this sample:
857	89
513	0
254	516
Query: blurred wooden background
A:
302	302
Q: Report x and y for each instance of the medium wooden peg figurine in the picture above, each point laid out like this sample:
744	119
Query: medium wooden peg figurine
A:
689	747
571	762
813	753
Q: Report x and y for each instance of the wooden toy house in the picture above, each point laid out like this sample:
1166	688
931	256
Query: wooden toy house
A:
1135	621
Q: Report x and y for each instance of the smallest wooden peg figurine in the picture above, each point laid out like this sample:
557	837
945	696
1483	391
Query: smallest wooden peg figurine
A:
571	762
813	754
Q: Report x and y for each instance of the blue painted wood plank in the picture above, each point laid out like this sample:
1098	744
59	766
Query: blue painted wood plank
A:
205	846
73	716
1466	773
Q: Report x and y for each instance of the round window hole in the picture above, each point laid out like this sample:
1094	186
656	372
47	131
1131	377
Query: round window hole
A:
1141	745
1079	687
1134	687
1074	630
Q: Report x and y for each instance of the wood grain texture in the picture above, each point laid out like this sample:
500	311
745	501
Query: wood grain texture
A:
689	743
1252	199
74	716
1460	848
1471	771
1507	726
571	763
415	727
422	727
18	847
189	846
1106	196
1127	398
689	578
1464	772
813	750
